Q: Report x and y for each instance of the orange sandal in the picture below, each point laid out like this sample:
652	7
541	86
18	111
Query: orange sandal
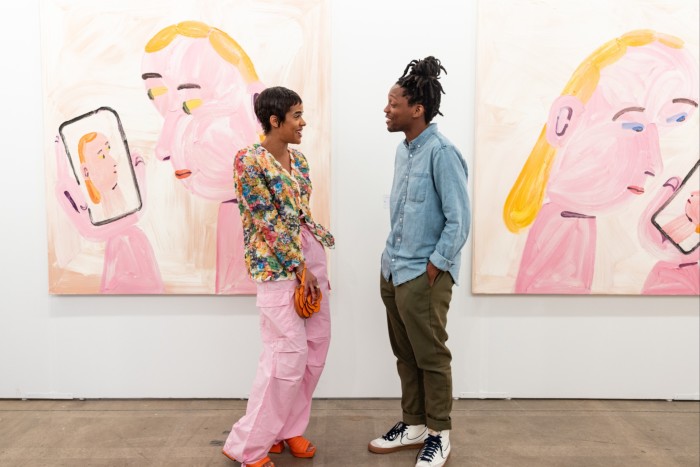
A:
301	447
264	462
277	448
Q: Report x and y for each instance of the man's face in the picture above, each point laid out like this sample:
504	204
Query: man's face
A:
613	152
399	114
100	166
207	110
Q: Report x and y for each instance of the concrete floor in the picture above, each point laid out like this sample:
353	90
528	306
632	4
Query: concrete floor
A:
513	433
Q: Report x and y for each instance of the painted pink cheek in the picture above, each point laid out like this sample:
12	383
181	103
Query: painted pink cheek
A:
692	209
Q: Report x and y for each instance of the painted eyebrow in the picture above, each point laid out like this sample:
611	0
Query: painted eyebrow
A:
683	100
145	76
627	109
189	86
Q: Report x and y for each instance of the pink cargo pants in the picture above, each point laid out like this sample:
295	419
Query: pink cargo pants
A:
293	357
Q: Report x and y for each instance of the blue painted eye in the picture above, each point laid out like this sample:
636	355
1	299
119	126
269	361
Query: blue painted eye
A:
633	126
677	118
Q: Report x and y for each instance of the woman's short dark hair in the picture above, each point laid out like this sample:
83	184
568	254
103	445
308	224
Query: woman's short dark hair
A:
275	101
421	85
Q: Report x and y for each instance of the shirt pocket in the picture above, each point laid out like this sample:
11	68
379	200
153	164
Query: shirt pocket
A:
418	186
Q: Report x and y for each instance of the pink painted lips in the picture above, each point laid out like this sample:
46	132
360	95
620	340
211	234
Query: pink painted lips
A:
637	190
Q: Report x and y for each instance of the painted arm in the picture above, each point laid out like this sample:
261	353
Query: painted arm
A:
652	239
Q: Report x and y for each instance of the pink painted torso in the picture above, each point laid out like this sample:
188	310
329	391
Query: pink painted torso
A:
130	266
231	270
559	254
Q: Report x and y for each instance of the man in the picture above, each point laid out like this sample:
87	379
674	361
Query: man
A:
429	225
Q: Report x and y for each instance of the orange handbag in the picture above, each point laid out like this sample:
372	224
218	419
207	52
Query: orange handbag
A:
306	307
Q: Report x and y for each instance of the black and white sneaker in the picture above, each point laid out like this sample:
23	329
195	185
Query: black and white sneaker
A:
401	436
435	451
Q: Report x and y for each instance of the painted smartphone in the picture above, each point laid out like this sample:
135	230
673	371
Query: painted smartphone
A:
678	219
99	156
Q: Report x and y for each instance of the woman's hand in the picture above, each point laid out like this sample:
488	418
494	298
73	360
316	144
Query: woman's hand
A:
311	286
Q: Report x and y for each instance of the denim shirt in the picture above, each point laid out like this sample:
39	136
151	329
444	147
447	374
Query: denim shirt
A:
430	212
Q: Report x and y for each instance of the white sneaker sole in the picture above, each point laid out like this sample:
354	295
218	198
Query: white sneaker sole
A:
379	450
444	463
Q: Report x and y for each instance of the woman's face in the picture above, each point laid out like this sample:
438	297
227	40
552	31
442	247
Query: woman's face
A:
290	130
100	166
207	113
613	152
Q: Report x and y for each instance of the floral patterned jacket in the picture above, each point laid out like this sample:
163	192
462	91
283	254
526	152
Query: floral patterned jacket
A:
273	204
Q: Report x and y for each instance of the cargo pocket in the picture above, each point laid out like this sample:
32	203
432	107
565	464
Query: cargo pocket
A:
283	333
274	298
290	365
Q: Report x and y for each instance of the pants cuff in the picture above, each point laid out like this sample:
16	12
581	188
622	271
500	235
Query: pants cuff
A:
410	419
439	425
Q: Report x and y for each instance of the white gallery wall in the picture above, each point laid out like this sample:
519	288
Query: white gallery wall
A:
207	346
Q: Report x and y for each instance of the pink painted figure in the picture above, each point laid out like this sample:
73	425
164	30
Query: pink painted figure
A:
203	85
597	153
130	266
676	273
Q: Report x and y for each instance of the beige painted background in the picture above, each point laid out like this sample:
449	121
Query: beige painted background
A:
91	57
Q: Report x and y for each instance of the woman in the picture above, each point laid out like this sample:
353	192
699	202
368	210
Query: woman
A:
283	244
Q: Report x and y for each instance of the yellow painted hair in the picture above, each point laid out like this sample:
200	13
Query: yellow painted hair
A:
91	188
527	194
224	45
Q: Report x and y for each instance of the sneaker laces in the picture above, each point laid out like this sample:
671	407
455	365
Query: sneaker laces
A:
431	446
398	429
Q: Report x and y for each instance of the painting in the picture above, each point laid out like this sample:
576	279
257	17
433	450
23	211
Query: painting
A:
587	148
145	106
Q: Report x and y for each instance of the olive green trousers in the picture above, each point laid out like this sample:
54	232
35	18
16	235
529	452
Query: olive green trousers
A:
417	317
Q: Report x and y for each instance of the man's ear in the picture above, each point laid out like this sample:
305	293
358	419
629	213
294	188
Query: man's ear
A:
86	172
274	121
564	116
418	111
